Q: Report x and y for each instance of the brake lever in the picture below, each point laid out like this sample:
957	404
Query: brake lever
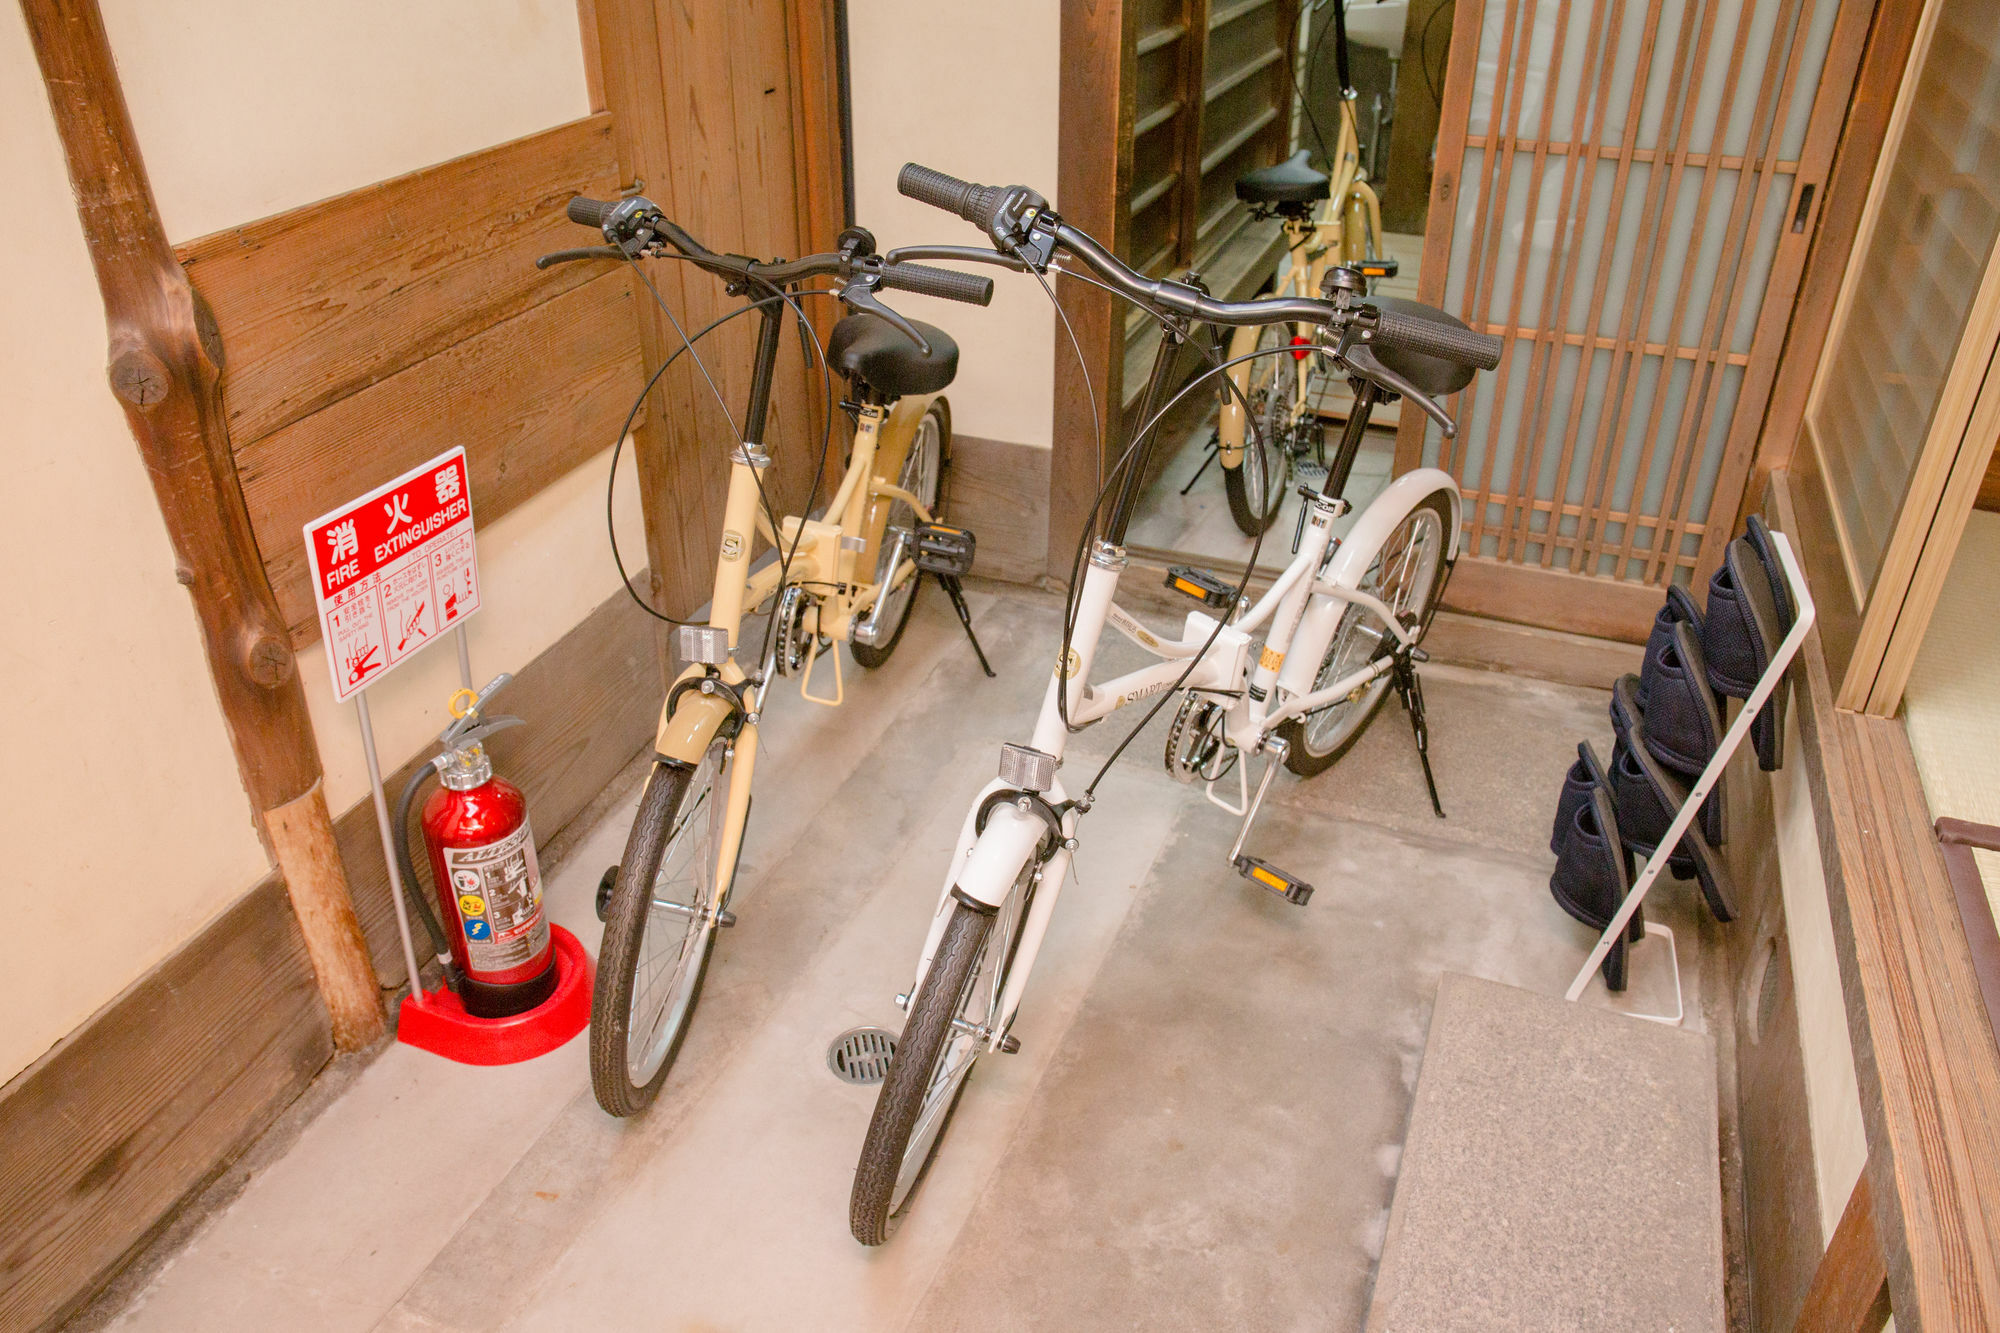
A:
585	252
859	292
1361	359
965	254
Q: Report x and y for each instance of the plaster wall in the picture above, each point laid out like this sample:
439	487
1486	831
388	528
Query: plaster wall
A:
970	90
127	826
1833	1097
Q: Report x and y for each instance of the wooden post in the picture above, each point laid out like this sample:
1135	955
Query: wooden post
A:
165	366
1093	188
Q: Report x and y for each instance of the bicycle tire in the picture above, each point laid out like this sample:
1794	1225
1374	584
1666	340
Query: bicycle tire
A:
1251	515
874	1210
875	655
1300	755
664	814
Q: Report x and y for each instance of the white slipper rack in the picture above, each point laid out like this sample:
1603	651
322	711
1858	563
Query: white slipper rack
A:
1656	865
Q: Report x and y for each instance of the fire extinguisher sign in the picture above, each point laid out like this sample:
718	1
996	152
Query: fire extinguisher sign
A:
393	570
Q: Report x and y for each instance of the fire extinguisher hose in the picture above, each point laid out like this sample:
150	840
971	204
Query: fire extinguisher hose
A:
413	889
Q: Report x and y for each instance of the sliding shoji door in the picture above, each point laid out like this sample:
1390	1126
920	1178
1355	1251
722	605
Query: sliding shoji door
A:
1625	191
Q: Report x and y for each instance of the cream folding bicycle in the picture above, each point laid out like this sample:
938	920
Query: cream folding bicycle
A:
1340	626
850	576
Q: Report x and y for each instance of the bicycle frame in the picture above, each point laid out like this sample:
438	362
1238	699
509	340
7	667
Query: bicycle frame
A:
828	554
1302	609
1349	217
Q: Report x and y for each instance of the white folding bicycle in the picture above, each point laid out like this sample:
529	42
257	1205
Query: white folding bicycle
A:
1341	626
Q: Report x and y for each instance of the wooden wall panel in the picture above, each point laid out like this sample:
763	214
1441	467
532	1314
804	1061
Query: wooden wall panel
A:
529	398
150	1099
322	301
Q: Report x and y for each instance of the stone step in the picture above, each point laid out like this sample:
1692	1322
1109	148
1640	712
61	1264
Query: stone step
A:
1560	1172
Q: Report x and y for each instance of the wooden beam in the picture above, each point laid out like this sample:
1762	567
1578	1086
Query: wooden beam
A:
1093	183
1850	1289
166	365
1554	599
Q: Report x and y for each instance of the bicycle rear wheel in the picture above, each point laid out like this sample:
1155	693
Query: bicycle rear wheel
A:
659	931
922	476
1256	486
1407	575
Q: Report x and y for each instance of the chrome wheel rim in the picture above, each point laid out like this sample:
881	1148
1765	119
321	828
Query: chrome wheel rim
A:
678	923
1401	576
920	478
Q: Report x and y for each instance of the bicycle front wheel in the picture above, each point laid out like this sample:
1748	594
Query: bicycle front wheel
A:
659	931
944	1035
1407	575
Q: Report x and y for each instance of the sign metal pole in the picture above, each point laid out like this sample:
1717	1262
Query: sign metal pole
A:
389	839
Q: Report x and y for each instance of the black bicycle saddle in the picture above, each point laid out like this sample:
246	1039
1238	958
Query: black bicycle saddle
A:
1293	181
876	353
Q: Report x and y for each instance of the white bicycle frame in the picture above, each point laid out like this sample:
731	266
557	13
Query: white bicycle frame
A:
1263	691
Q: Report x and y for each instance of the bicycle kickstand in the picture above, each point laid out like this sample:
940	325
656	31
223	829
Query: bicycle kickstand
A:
1411	691
1214	452
953	590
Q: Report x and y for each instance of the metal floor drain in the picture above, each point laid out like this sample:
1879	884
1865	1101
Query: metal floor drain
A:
861	1055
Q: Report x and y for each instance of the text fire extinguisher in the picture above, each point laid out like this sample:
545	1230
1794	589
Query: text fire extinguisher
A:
482	858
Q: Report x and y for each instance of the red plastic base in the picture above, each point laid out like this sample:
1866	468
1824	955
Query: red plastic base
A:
436	1020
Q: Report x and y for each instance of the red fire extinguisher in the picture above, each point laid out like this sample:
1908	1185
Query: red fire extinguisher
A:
482	858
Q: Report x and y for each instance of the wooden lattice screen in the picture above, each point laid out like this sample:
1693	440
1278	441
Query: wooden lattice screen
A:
1625	191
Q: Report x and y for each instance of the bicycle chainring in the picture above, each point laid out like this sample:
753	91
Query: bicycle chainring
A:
794	642
1196	746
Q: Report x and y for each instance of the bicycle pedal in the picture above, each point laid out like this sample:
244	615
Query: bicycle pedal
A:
1261	872
943	551
1204	587
1312	474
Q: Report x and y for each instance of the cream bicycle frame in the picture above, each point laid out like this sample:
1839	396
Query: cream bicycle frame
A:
829	552
1303	609
1350	215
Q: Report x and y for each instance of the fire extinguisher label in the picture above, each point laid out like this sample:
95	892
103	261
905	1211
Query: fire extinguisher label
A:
499	889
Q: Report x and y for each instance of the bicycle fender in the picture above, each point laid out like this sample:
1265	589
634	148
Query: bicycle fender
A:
687	730
1379	519
1232	424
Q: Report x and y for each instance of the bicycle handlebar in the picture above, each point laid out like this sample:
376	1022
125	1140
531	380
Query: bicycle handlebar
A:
638	214
1427	337
1014	215
589	212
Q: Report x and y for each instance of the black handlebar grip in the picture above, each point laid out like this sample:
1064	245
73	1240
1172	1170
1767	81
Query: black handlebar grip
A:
950	284
590	212
1434	337
974	203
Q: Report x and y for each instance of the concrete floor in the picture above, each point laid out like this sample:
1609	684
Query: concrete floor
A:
1202	1129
